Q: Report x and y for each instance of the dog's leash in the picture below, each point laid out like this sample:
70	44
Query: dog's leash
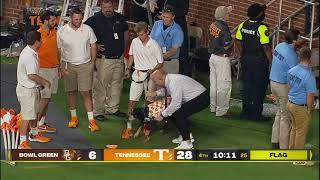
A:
145	79
165	126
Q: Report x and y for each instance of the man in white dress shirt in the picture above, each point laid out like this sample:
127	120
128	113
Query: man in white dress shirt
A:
187	97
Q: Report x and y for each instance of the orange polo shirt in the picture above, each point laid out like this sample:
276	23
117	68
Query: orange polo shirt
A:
48	52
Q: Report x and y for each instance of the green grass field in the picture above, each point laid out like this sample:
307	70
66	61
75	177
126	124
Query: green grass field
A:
209	132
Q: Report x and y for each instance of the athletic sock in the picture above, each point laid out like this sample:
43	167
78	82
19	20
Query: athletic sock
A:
90	115
23	138
41	122
34	131
73	112
129	125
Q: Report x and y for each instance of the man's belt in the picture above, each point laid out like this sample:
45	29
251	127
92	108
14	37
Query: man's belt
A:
111	56
297	104
143	70
147	77
37	87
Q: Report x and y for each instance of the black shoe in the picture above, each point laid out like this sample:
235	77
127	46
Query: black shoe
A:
119	114
275	146
100	118
244	116
264	118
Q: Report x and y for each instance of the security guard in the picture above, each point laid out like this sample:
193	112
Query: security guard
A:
253	43
112	33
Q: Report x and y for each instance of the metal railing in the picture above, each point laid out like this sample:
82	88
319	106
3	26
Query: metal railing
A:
278	30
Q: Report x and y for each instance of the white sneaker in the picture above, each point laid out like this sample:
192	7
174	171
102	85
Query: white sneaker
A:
184	145
179	139
303	163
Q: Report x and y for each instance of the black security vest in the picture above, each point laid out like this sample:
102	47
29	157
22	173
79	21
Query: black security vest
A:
251	39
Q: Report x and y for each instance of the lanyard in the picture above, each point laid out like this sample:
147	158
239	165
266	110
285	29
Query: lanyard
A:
164	38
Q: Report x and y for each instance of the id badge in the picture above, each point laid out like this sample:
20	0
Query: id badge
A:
164	50
115	35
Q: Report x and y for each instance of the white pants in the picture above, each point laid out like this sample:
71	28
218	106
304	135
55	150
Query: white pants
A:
136	89
220	84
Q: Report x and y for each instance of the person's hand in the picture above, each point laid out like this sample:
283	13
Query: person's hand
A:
153	5
59	73
158	117
127	73
151	94
100	47
63	72
46	84
272	98
95	67
150	71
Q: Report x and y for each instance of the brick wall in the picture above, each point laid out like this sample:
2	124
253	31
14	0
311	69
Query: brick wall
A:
202	12
12	9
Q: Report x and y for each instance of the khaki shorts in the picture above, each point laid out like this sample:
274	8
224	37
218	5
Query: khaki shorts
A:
29	99
79	77
171	67
50	74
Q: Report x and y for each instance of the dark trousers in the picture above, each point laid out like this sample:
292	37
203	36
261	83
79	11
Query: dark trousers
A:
255	79
179	117
185	67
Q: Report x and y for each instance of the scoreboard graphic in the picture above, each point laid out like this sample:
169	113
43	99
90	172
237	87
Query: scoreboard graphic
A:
157	155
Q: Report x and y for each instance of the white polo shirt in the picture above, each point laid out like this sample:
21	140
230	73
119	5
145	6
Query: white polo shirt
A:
28	64
145	56
75	44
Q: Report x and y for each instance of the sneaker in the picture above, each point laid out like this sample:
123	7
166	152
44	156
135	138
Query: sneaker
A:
73	122
275	146
126	133
226	115
185	145
179	139
25	145
39	138
119	114
303	163
265	118
46	128
100	118
93	126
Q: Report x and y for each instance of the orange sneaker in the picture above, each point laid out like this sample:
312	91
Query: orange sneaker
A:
25	145
126	133
46	128
73	122
93	126
39	138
